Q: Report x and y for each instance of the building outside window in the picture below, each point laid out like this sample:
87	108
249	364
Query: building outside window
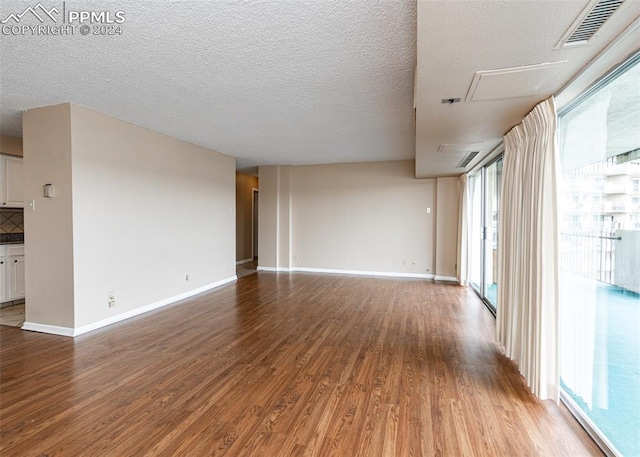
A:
599	309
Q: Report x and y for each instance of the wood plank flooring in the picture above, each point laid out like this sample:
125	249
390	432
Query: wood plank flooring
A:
282	365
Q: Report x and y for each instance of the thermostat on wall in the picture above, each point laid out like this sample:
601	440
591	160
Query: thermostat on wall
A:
48	190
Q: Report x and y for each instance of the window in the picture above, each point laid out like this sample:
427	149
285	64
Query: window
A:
599	310
493	181
475	237
485	188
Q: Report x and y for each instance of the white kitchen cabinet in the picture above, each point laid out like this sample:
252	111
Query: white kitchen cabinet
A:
4	296
12	273
16	277
11	188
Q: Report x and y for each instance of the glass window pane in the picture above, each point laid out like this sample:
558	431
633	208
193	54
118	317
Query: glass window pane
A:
599	313
475	237
492	206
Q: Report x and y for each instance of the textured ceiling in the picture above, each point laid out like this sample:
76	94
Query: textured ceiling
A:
458	38
269	82
300	81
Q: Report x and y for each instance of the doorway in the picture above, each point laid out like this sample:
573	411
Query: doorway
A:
254	225
250	265
246	224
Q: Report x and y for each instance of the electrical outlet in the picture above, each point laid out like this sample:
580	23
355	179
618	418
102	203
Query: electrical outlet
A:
111	297
186	278
404	262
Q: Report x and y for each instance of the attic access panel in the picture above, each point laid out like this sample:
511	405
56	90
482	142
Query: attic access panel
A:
513	82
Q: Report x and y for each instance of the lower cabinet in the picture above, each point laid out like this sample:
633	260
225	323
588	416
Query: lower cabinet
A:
12	282
16	277
3	277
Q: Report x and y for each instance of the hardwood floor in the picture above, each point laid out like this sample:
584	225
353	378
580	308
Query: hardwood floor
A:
282	365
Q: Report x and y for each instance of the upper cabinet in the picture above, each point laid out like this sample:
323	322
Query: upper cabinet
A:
11	187
11	145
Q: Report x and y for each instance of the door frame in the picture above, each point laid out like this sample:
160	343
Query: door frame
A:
254	195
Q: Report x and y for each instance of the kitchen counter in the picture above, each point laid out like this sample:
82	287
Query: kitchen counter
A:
11	238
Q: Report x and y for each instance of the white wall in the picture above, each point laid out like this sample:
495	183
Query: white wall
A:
359	217
147	210
447	214
48	229
285	213
268	216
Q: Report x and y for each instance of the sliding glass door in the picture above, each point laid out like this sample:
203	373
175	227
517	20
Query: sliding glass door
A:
475	236
493	181
485	204
599	308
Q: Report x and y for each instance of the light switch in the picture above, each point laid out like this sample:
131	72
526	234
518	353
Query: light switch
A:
428	210
32	205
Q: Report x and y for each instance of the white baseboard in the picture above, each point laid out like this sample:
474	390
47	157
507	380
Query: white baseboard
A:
65	331
389	274
43	328
240	262
446	278
281	270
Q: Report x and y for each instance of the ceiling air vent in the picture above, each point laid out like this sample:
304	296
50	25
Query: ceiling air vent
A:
467	159
589	22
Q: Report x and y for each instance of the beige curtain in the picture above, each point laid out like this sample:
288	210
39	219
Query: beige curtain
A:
463	231
527	324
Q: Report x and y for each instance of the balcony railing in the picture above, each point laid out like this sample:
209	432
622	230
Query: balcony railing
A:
589	254
617	208
615	189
